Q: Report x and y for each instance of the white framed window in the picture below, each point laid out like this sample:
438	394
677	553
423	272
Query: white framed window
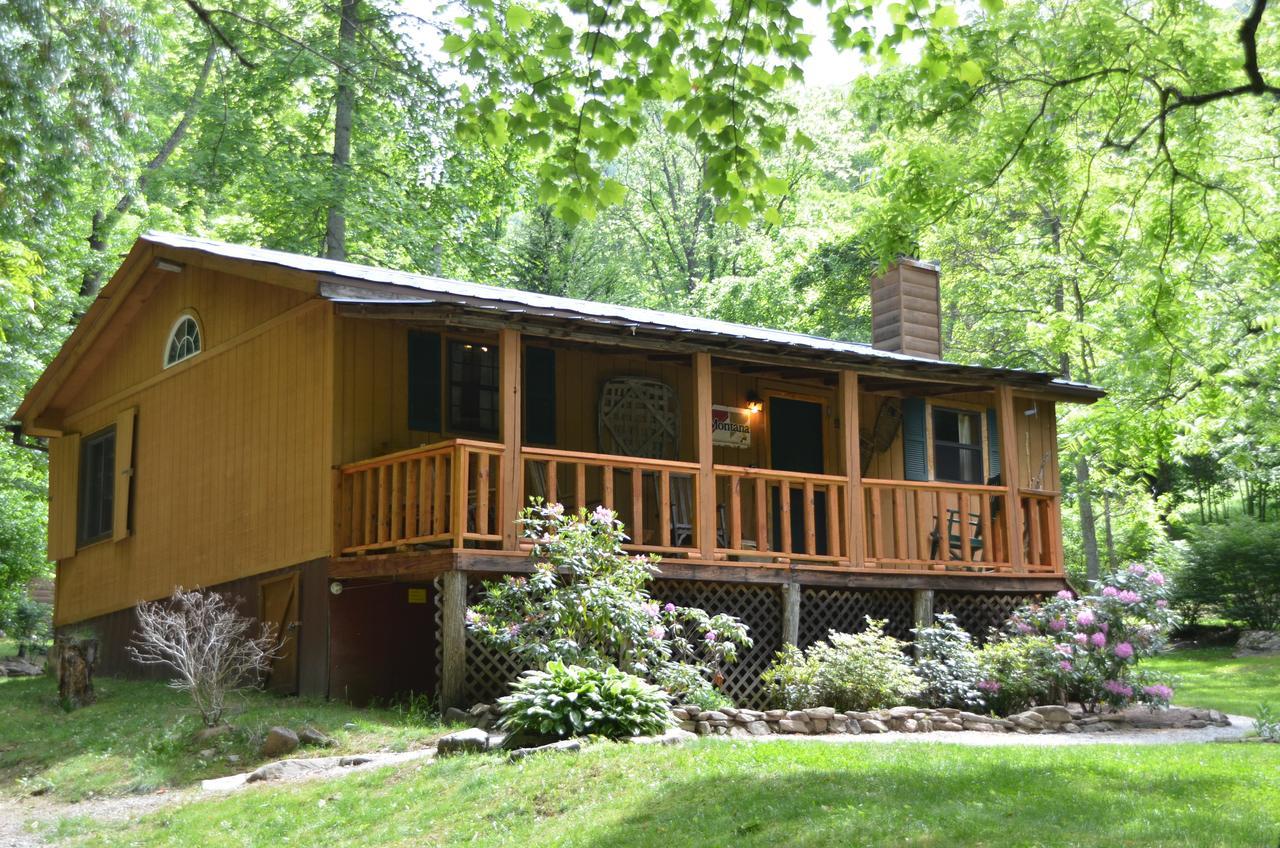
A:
184	339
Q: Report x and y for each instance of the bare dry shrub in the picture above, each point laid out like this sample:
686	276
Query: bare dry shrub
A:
211	647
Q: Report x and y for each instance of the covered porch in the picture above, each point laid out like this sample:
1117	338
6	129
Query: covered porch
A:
713	460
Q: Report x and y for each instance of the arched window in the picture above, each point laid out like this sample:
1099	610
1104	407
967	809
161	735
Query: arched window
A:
184	340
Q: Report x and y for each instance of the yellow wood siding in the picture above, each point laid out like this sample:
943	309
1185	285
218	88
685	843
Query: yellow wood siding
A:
232	448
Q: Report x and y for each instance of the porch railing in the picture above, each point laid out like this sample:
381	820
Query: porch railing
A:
450	494
787	514
446	492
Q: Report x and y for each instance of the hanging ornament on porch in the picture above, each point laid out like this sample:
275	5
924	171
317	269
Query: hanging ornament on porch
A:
639	417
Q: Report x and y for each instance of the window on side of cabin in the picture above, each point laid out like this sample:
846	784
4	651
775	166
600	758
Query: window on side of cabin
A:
97	487
957	446
184	340
473	388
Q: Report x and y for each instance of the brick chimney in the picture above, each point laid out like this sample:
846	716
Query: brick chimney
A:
906	310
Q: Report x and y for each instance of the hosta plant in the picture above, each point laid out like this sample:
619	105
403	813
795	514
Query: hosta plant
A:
573	700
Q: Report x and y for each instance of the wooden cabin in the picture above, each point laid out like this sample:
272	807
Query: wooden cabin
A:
346	449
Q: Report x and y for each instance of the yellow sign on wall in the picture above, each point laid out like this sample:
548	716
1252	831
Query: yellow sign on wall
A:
417	596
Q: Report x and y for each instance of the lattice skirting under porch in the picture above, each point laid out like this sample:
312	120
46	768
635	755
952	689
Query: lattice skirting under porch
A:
759	607
846	610
980	612
489	673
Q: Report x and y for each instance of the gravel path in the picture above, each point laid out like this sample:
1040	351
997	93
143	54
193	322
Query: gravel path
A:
1240	726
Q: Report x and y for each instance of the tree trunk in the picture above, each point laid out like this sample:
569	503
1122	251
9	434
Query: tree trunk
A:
76	661
1106	529
1088	525
105	222
335	234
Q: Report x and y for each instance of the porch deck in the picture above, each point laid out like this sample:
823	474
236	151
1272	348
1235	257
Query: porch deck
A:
463	494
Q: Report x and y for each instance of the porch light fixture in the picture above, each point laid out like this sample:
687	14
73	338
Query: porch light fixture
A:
754	404
335	588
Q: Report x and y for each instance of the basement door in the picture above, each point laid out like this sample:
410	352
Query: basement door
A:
795	444
278	606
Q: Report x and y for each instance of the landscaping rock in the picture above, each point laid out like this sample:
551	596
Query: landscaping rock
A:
872	725
565	745
206	734
470	741
279	741
286	769
823	713
314	738
1257	642
1053	713
453	715
788	725
758	728
671	736
19	668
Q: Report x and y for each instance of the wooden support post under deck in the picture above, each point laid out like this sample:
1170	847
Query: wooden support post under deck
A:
453	638
855	534
922	609
1009	458
791	614
706	468
512	407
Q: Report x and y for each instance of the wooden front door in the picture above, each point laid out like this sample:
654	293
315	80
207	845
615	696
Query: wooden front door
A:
278	606
795	444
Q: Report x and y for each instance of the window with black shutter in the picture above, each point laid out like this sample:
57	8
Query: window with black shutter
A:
97	487
957	446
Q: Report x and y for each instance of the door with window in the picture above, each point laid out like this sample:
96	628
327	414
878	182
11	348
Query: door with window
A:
796	444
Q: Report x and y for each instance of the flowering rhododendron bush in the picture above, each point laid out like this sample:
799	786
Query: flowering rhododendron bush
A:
1098	639
587	603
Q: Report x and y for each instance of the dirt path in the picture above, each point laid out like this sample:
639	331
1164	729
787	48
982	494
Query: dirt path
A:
24	822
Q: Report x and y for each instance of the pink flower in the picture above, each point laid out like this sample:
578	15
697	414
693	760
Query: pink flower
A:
1057	625
670	607
1085	618
1137	568
1162	604
657	631
1024	628
1128	596
513	630
1065	650
1082	639
1065	594
1155	578
1124	650
989	685
1159	691
1104	627
1064	665
603	514
1110	592
650	610
1115	687
1098	640
710	636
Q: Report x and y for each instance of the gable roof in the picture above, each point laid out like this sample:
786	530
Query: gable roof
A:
374	287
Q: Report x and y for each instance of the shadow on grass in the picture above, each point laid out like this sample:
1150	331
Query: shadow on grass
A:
924	795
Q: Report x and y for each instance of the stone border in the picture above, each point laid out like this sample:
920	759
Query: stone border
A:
729	721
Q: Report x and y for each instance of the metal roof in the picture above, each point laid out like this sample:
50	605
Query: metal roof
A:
348	282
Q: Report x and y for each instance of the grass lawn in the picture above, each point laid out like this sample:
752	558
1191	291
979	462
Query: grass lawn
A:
716	793
1210	677
139	736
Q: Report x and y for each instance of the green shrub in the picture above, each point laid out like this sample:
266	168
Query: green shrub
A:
1267	723
947	665
1235	568
570	700
1017	671
850	671
587	603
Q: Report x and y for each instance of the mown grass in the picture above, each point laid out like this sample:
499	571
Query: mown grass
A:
1212	678
716	793
139	736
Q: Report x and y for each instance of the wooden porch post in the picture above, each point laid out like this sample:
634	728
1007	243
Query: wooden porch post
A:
512	407
791	614
1009	458
922	612
706	468
453	638
854	533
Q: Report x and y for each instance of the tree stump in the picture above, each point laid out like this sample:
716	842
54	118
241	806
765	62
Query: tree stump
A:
76	660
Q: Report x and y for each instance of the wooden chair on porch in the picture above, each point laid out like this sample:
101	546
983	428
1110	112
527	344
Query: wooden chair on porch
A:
973	522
